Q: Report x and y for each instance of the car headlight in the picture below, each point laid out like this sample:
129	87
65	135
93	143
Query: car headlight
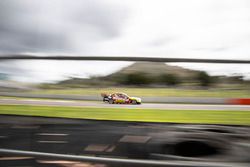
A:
138	99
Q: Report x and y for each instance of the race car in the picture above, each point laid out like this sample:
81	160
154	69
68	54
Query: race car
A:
120	98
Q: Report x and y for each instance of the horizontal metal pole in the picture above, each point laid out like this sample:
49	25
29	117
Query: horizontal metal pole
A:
119	161
109	58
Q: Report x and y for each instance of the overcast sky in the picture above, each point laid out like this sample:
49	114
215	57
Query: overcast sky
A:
162	28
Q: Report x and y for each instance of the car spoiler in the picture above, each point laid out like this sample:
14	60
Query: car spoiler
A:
104	94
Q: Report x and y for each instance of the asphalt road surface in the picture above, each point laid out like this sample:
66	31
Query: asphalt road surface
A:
171	142
70	103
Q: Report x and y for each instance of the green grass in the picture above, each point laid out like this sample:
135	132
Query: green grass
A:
140	115
44	99
147	92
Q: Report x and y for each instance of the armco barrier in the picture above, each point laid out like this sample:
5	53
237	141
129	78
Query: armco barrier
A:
120	161
240	101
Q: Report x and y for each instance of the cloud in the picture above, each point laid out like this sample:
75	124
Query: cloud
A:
107	21
219	49
20	31
162	28
160	42
57	26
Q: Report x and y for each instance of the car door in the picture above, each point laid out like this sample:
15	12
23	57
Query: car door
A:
121	98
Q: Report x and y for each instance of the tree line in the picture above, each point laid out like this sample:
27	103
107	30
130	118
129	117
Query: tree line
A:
202	78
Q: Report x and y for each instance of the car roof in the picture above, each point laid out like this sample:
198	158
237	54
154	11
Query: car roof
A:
120	93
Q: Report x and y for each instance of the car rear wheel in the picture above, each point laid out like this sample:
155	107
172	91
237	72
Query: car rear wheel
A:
111	101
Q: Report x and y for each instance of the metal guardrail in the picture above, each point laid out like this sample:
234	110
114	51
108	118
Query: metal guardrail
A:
110	58
119	161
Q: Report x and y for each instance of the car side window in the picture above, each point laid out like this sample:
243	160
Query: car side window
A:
120	96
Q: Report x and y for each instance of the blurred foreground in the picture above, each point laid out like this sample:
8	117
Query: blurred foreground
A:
183	144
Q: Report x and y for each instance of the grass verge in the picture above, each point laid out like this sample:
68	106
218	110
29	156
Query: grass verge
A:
140	115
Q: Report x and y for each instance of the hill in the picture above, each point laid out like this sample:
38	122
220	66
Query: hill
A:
143	73
151	70
155	69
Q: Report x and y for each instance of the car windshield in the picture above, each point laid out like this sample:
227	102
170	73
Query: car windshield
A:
122	95
107	83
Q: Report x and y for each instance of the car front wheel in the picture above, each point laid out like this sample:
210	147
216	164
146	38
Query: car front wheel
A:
134	102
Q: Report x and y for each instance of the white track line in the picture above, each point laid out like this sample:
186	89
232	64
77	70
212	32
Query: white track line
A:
52	134
14	158
52	142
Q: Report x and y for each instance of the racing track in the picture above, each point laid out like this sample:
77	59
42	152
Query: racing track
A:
68	103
